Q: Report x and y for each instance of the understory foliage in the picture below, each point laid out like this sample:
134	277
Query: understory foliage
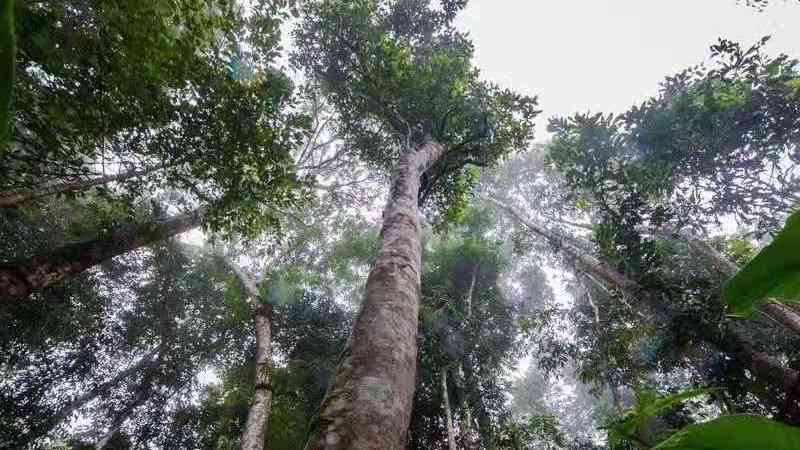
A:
630	284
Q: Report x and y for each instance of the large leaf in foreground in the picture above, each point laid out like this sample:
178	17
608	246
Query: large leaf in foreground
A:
735	433
773	273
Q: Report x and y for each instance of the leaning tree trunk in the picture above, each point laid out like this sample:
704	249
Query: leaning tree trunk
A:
368	405
727	268
23	277
765	368
255	429
143	393
102	389
12	199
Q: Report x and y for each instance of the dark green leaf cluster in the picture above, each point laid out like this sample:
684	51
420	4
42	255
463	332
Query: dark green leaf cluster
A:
398	73
120	86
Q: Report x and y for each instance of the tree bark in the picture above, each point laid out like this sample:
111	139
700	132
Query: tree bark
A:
12	199
255	429
23	277
451	434
368	405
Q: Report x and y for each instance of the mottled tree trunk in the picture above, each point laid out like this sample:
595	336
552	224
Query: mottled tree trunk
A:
782	313
256	427
368	405
23	277
255	430
448	414
12	199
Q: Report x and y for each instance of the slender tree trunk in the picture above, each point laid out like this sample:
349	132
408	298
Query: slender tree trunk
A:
23	277
368	405
255	429
12	199
466	426
103	388
470	291
616	397
143	393
451	434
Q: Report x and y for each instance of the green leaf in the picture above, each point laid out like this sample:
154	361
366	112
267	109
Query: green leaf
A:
773	273
648	406
794	86
735	433
8	51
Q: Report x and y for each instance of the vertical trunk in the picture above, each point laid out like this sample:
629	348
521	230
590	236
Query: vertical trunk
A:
466	427
11	199
368	405
23	277
616	397
256	427
451	434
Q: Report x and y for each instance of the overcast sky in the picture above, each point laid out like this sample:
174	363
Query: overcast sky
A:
606	55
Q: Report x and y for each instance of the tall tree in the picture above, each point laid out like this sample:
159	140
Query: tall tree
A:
467	340
765	368
400	78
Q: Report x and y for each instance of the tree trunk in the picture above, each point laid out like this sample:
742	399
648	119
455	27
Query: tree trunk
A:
763	366
23	277
616	397
143	392
122	416
368	405
451	434
470	291
728	269
466	427
12	199
102	389
255	429
596	268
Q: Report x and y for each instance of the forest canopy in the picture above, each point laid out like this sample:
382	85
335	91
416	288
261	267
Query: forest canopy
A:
318	224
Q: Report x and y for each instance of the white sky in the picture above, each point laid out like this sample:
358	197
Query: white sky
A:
606	55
